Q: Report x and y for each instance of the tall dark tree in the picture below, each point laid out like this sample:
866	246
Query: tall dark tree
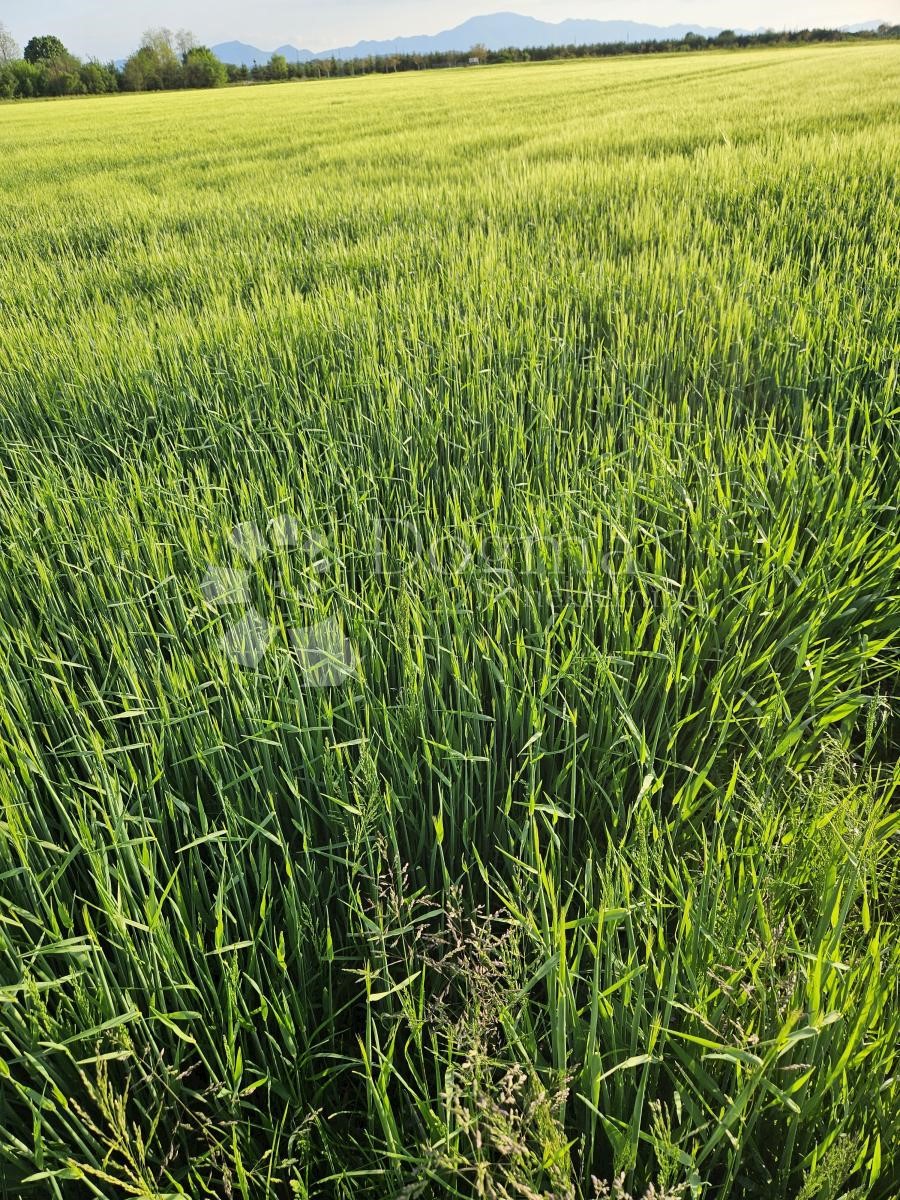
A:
43	49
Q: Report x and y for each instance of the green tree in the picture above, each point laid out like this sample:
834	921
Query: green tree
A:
155	66
278	67
62	77
203	70
141	73
133	74
19	80
98	79
43	49
159	48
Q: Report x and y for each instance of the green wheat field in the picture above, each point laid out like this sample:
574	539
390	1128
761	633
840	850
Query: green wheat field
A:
450	635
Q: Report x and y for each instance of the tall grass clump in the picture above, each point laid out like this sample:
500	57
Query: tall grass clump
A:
449	657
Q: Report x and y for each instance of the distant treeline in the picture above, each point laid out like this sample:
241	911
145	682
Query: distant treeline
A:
167	61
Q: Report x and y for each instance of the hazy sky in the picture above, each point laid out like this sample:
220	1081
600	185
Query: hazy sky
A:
111	30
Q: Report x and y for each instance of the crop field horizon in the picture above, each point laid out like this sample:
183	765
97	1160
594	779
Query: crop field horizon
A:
449	622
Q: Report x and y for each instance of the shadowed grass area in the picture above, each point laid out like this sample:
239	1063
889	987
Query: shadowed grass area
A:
449	635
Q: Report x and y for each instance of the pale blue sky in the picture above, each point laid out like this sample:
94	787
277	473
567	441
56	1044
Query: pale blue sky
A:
95	27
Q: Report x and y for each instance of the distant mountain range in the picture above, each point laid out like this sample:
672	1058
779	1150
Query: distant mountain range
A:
239	54
496	32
